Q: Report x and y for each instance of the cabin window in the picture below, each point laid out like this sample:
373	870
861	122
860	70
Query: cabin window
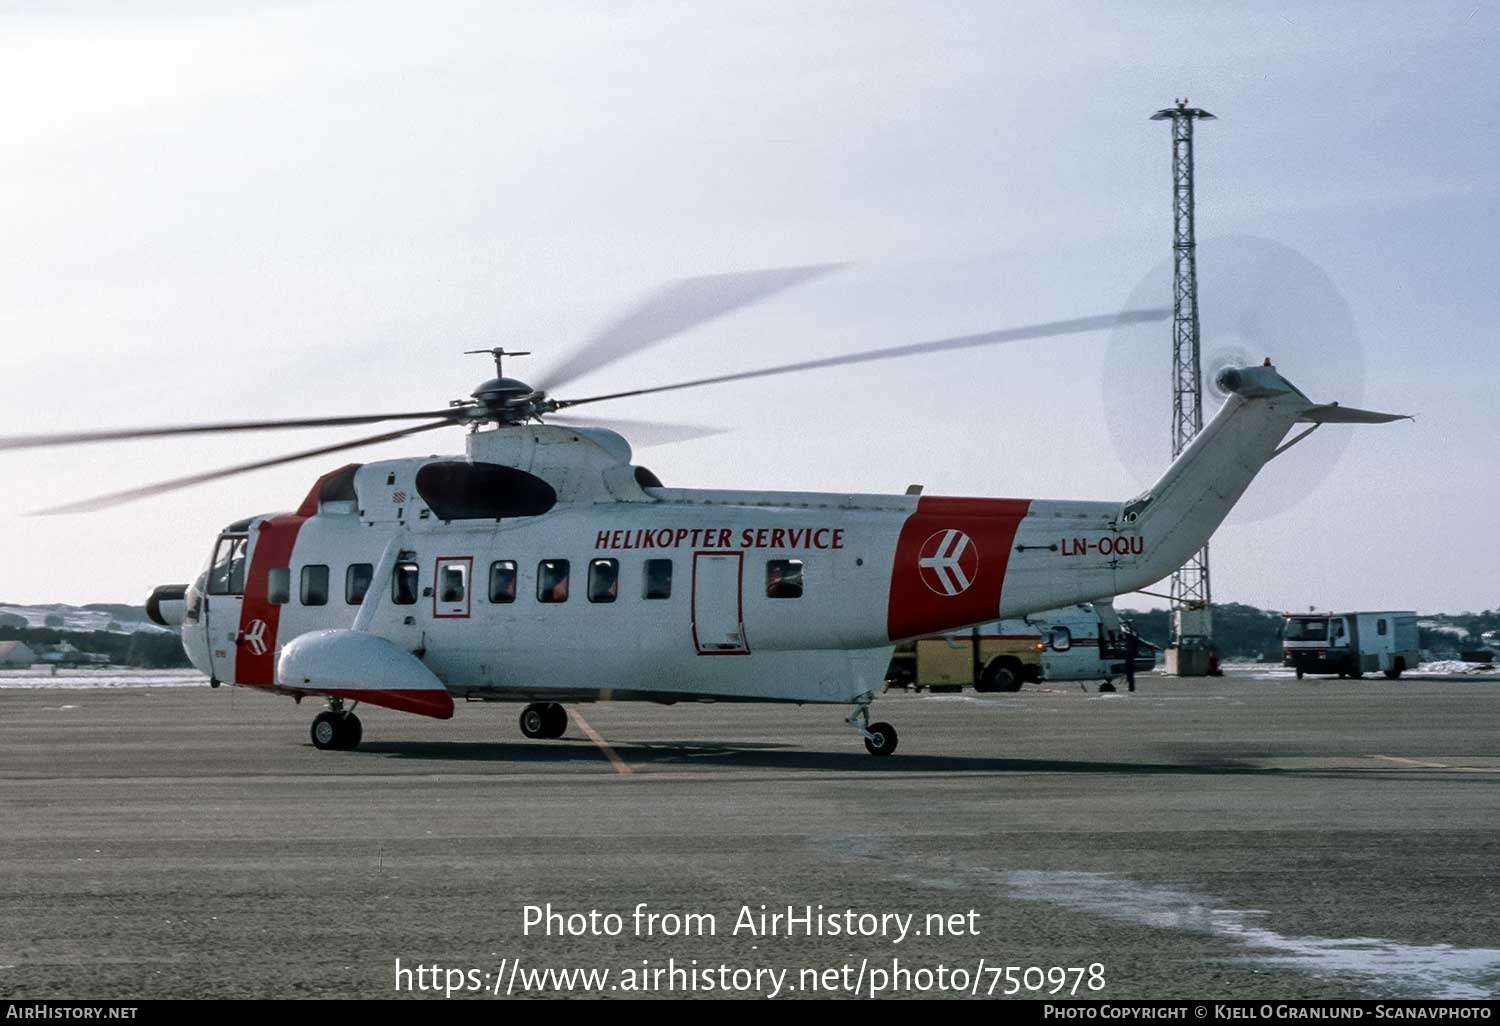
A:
604	580
552	580
404	580
1380	627
315	585
1062	639
503	581
658	579
784	578
357	581
279	585
227	575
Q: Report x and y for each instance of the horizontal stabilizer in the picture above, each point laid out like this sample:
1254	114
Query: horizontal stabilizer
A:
1333	413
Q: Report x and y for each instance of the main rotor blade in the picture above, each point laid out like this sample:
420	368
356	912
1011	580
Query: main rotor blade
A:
675	308
644	433
122	434
115	498
1034	331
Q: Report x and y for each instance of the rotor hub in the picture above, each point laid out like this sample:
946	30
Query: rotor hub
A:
509	400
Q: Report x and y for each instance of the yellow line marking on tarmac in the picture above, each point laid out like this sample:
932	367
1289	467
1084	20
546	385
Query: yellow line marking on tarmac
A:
1411	762
1436	765
620	765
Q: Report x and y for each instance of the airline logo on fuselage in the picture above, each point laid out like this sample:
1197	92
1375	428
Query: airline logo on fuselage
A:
255	637
722	538
949	563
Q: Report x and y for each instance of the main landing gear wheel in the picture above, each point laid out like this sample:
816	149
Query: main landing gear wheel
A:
881	739
544	720
336	731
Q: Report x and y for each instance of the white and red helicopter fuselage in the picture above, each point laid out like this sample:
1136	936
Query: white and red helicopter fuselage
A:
545	567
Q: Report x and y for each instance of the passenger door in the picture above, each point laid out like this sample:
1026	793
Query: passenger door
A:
718	612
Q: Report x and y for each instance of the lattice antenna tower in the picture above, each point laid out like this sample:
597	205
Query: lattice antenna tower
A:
1190	591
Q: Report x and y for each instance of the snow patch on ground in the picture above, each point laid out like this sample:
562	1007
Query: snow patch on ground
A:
1431	970
107	679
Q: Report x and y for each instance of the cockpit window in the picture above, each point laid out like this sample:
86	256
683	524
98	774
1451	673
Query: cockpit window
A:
227	574
279	585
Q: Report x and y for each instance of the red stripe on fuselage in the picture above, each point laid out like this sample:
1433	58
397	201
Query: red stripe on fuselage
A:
273	548
990	524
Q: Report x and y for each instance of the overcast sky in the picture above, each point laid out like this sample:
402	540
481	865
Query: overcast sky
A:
315	208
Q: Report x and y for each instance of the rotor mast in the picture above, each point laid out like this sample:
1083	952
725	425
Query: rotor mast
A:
499	353
1190	596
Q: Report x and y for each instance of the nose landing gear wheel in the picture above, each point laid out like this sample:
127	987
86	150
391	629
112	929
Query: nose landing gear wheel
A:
336	731
881	739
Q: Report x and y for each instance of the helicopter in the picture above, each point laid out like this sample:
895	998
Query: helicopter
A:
543	566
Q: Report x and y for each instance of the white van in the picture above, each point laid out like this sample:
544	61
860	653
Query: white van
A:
1351	644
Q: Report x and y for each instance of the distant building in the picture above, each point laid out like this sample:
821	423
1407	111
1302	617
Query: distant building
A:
15	653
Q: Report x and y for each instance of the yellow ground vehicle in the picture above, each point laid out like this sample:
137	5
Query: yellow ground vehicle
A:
1060	644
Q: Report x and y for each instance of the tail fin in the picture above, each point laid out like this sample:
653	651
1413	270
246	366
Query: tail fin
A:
1179	513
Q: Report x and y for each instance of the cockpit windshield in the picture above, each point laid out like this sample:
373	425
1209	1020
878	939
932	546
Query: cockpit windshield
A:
226	575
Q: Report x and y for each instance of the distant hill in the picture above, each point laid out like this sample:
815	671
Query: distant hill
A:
94	616
119	631
118	611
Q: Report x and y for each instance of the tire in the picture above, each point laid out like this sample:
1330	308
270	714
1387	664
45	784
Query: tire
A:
1107	688
351	732
882	739
999	675
1394	673
556	720
534	720
326	731
1300	672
